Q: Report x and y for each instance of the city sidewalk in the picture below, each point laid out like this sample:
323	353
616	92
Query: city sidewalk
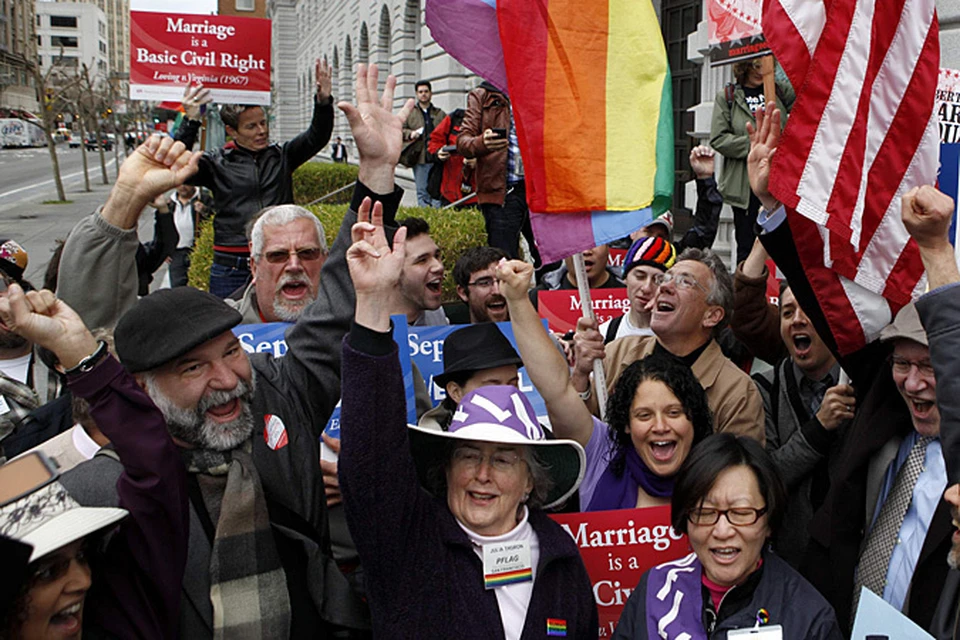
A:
37	226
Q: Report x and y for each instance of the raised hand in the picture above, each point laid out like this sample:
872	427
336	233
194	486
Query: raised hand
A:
374	267
927	214
515	277
194	97
158	165
42	318
587	346
764	139
324	75
701	161
377	131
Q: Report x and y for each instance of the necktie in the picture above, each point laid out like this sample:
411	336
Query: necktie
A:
819	389
875	559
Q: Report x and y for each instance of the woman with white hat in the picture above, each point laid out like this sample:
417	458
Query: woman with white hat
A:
449	524
80	580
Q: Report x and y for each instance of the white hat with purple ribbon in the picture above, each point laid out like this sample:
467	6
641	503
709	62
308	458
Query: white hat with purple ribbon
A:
503	415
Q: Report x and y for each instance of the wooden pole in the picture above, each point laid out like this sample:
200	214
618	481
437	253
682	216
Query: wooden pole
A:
769	84
586	305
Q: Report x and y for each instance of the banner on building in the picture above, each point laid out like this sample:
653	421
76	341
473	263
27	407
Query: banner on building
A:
733	31
229	55
562	308
617	548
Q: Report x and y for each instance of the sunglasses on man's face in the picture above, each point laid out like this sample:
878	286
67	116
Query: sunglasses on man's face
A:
303	255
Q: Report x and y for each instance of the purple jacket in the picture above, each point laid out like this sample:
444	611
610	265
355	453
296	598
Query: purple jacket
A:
423	578
136	588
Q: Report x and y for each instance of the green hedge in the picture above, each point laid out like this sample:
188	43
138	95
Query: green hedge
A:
453	231
314	180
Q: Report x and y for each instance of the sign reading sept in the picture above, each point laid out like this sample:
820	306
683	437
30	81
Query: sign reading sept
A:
229	55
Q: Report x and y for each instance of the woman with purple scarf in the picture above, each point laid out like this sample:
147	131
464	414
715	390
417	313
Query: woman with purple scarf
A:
657	412
729	500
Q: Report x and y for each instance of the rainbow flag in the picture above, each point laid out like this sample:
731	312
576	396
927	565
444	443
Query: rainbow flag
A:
556	627
591	94
468	31
507	577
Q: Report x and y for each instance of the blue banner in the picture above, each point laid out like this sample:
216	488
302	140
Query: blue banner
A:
425	346
948	179
270	338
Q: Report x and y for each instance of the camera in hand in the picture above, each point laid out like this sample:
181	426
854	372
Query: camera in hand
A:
499	132
450	148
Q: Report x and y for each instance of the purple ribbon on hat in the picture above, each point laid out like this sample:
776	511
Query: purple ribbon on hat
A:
498	406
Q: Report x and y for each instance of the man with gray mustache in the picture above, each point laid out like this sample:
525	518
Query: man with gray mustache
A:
288	247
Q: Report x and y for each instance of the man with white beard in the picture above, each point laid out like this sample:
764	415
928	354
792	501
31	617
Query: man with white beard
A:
260	561
287	249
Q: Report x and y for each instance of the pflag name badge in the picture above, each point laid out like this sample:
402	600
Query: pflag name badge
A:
557	627
772	632
506	563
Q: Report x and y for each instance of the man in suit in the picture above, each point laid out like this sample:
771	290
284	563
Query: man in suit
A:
882	524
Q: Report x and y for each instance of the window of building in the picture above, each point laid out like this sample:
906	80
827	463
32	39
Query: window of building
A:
63	21
39	41
63	41
246	5
39	21
69	63
103	47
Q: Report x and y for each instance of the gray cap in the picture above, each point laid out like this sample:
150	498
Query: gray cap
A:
905	325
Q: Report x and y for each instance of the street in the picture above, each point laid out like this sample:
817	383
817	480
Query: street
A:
26	181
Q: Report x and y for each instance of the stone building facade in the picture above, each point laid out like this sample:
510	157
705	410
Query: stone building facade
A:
18	55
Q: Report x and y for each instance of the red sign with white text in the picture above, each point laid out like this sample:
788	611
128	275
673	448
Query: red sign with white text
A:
561	308
229	55
617	547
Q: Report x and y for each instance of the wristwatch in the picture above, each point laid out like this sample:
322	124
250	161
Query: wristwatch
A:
91	361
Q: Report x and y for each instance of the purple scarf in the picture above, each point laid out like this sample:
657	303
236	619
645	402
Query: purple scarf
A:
621	493
674	600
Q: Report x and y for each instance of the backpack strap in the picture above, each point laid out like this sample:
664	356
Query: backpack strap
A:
728	90
612	330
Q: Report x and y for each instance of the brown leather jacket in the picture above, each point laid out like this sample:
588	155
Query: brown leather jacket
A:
487	108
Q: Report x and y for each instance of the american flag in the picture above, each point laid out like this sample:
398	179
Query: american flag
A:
861	133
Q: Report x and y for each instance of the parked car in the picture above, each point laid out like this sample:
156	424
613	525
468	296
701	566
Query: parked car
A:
73	140
91	142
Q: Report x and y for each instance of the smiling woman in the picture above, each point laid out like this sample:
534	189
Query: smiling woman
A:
729	500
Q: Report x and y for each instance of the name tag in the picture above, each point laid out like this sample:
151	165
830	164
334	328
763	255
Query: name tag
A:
506	563
772	632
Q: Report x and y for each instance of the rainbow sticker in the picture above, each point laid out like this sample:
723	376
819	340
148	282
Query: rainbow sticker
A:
507	577
556	627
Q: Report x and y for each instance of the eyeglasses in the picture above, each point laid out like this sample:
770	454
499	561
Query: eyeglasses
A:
303	255
902	366
472	459
484	283
739	517
682	280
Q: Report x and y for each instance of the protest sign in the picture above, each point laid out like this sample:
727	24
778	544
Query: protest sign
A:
425	348
617	547
877	619
615	258
229	55
561	308
269	337
733	31
947	107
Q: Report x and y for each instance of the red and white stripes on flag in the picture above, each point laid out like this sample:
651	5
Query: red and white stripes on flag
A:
862	132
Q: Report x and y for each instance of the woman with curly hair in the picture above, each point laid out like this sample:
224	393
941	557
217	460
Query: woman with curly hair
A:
657	412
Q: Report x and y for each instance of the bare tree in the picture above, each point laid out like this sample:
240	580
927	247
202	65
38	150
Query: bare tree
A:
91	106
53	86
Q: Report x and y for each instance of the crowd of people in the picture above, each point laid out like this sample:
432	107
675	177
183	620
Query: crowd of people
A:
161	482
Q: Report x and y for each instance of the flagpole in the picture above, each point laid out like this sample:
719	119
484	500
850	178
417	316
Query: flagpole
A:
769	79
586	305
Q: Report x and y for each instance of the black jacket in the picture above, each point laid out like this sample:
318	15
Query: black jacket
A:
243	182
789	600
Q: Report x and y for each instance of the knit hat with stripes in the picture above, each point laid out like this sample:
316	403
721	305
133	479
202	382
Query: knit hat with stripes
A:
653	252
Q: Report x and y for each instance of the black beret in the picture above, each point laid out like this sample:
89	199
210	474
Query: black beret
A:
169	323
